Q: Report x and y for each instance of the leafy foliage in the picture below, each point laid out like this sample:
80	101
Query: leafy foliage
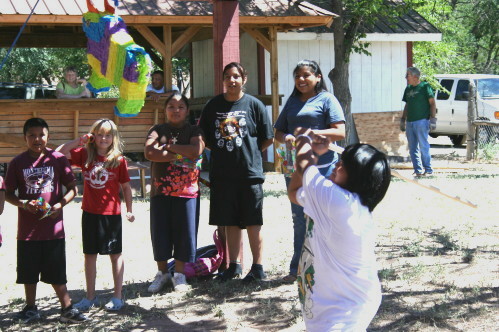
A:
470	42
41	65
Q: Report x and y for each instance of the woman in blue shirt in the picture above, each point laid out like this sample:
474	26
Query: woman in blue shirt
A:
309	106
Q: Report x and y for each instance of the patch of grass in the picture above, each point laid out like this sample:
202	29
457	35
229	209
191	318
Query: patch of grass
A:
468	255
489	151
126	322
275	193
413	249
413	271
387	274
218	311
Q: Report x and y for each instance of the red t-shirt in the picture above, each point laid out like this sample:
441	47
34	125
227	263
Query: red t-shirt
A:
39	177
101	190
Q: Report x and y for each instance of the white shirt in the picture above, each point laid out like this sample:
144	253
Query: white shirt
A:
150	88
337	276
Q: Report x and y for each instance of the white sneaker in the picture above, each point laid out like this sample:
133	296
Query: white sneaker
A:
179	282
159	281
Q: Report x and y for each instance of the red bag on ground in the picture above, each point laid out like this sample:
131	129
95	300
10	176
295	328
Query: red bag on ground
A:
208	260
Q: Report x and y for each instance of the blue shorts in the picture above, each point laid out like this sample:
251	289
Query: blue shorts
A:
174	227
41	260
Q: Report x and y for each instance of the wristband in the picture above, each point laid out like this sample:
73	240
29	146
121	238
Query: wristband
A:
306	136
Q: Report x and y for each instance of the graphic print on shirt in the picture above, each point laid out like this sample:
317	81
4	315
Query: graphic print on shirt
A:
230	128
39	180
306	273
178	181
97	176
412	93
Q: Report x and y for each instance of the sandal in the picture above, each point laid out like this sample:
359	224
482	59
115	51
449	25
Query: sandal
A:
115	304
290	278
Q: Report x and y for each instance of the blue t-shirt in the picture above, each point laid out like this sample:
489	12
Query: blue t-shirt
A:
317	112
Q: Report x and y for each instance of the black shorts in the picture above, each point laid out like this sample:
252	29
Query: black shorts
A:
174	228
236	204
101	234
41	261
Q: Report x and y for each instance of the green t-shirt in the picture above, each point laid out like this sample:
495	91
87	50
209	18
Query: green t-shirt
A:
417	99
69	90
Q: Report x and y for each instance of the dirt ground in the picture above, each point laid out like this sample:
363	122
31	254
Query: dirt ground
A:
437	262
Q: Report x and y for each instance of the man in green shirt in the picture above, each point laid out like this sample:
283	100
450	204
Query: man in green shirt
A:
420	112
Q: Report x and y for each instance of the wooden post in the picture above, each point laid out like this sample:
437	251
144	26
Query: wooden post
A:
274	83
225	37
167	61
225	50
76	121
471	132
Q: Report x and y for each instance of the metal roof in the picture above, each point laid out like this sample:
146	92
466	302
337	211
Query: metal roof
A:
267	8
411	22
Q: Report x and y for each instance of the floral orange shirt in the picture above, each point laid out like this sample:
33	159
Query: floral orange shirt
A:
178	178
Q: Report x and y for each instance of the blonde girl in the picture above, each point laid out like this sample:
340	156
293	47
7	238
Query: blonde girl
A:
174	148
100	156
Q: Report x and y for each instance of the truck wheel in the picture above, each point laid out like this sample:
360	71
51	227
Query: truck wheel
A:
457	140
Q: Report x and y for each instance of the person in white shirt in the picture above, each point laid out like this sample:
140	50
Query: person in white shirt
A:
338	283
156	89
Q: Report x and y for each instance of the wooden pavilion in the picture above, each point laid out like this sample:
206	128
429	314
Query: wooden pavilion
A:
165	26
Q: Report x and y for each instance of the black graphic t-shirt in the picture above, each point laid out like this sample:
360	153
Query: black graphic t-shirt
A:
234	132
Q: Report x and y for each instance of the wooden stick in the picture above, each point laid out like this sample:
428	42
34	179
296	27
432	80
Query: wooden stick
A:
339	150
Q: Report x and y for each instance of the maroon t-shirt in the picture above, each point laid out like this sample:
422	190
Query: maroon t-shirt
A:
45	177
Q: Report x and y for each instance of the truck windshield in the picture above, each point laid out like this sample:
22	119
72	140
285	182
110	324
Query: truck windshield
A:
488	88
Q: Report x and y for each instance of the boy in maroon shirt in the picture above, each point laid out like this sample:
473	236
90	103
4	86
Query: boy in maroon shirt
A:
38	173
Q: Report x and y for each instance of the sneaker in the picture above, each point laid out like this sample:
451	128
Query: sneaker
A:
417	175
85	304
159	281
234	270
72	315
179	282
255	274
114	304
28	314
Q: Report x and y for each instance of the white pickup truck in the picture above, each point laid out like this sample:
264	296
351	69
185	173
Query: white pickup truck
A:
452	109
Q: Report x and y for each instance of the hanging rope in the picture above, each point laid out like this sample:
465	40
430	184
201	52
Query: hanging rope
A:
17	37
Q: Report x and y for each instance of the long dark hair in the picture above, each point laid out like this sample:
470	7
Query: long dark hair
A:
368	173
316	70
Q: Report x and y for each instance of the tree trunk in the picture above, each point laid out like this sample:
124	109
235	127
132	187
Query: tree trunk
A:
339	75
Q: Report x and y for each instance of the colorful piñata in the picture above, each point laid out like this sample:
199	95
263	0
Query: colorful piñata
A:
115	59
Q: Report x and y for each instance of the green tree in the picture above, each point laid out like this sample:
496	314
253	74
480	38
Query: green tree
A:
347	32
470	42
41	65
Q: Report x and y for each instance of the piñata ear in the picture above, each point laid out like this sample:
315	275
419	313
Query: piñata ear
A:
108	8
91	8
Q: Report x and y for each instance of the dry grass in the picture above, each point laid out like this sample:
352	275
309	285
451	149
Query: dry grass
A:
438	264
